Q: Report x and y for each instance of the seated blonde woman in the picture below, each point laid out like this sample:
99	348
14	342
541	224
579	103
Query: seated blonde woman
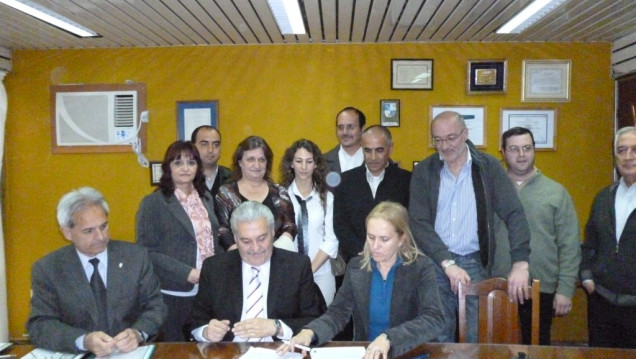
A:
390	290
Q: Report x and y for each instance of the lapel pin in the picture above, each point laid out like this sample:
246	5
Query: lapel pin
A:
121	265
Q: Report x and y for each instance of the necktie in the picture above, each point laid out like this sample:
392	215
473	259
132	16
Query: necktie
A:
303	226
99	291
254	299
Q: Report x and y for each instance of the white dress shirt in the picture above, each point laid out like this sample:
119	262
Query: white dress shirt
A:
348	162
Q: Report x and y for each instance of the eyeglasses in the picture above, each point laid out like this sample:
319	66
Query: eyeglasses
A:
623	151
517	150
450	138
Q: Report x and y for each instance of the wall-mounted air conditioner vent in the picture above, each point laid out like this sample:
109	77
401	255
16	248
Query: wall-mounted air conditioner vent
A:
96	119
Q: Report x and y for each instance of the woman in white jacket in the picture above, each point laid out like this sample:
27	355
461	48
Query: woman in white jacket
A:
303	170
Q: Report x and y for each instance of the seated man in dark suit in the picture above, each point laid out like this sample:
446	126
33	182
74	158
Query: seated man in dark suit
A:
363	187
255	293
95	295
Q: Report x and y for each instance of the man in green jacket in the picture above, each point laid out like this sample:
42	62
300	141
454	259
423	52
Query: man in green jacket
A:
555	251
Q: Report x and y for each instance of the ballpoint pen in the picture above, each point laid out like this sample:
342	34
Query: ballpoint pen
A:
299	346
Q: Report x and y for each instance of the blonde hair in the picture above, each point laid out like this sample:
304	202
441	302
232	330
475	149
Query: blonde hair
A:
398	216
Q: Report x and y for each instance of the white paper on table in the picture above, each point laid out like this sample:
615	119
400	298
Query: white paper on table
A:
337	352
39	353
264	353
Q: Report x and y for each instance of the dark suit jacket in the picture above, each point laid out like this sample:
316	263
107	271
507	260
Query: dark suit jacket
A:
163	226
332	159
353	201
223	176
63	307
292	297
416	311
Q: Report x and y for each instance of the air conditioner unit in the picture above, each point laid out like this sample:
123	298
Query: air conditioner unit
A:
97	118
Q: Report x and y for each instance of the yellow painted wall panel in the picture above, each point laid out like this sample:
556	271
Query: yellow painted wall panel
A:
282	92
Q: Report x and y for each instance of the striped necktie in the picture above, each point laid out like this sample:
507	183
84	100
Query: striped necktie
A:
254	299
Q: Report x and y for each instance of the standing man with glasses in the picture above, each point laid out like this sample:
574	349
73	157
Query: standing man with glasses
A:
348	154
554	227
455	195
608	266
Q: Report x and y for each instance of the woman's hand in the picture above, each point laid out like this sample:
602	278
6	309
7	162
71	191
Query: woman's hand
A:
303	338
379	348
194	275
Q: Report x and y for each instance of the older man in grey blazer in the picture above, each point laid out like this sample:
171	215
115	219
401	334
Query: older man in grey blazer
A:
95	295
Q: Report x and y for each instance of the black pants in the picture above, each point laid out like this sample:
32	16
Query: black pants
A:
546	312
610	325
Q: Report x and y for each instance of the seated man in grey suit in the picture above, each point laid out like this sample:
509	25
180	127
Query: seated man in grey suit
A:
95	295
258	292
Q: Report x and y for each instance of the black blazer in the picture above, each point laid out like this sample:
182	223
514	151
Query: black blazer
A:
353	201
223	176
332	159
292	297
163	226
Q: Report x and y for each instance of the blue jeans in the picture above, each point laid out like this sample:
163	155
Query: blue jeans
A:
471	263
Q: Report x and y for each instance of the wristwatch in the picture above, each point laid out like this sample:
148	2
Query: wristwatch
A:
279	327
447	263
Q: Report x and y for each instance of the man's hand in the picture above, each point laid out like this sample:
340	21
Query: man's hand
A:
589	286
303	338
379	348
562	305
99	343
455	275
255	328
518	278
216	329
127	341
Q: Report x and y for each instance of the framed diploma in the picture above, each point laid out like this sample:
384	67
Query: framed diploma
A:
542	123
546	81
390	113
411	74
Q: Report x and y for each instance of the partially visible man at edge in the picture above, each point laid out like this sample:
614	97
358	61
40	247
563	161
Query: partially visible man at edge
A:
608	265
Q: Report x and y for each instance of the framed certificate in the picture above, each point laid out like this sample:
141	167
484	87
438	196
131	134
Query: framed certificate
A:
546	81
411	74
486	76
542	123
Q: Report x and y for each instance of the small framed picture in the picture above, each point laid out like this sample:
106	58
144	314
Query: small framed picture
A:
542	123
546	81
474	117
411	74
155	173
192	114
390	113
486	76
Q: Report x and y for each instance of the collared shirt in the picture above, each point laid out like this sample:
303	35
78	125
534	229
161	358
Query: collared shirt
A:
263	277
380	293
456	220
625	204
209	180
102	266
374	181
348	162
320	231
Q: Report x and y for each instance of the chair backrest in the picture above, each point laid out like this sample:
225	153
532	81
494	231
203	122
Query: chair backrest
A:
498	316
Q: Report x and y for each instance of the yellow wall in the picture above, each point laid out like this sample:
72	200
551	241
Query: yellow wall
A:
282	93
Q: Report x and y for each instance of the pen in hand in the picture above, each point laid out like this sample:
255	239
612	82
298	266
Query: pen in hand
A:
299	346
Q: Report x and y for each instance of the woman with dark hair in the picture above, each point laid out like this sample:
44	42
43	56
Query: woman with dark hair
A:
390	291
252	181
178	226
303	169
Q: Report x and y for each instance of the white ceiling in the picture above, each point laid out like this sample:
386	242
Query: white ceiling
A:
144	23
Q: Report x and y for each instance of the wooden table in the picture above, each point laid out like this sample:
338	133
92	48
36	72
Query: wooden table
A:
434	350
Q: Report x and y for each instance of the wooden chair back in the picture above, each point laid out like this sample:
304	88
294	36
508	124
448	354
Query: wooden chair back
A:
498	316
